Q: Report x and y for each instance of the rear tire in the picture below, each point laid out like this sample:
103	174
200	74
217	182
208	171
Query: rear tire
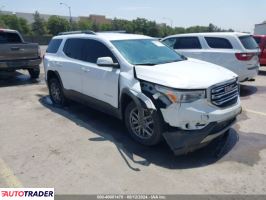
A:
148	131
34	73
56	92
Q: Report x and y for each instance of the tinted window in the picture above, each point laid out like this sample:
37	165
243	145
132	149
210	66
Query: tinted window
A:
218	43
9	38
187	43
54	45
73	48
170	42
94	50
248	42
257	39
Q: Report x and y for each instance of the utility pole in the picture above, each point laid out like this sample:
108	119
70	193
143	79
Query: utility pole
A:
69	9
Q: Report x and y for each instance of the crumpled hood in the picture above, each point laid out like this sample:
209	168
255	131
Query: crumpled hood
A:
187	74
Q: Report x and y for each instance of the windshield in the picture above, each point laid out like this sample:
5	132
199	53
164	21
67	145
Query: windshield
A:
146	52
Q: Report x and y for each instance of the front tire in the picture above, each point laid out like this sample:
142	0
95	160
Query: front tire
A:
56	92
34	73
147	131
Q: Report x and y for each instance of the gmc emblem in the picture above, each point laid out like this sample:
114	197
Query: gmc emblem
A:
228	88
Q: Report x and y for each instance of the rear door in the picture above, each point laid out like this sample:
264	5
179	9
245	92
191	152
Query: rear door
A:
69	65
12	47
219	50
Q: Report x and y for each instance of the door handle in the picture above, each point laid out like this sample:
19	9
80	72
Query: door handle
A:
15	48
85	69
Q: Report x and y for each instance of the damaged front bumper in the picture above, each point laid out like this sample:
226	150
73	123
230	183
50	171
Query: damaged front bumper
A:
185	141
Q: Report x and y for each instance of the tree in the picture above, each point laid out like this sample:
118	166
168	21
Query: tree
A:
14	22
25	28
2	23
84	24
57	24
38	26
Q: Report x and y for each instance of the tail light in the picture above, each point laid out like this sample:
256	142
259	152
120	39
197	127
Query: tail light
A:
245	56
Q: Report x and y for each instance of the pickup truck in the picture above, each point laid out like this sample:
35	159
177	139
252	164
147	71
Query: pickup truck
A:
15	54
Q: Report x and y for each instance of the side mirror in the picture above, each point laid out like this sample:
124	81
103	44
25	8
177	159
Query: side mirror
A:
106	62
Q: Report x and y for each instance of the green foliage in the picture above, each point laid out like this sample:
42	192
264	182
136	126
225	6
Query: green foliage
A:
84	25
14	22
57	24
39	25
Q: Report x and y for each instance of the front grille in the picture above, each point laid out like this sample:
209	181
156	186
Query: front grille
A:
225	95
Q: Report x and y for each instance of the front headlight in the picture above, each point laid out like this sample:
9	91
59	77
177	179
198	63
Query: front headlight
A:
181	96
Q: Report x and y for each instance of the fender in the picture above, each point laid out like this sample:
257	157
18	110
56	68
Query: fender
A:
141	100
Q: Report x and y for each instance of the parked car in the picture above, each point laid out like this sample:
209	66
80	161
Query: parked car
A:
16	54
237	52
154	90
261	40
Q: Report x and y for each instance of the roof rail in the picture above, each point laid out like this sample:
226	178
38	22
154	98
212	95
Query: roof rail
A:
119	31
77	32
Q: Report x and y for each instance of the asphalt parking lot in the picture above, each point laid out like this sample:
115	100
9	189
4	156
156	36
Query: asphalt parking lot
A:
78	150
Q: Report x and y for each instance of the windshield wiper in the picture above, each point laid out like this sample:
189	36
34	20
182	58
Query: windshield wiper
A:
148	64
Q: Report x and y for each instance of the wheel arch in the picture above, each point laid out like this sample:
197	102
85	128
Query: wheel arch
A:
142	101
54	74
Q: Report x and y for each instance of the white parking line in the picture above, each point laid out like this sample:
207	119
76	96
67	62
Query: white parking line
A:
10	179
255	112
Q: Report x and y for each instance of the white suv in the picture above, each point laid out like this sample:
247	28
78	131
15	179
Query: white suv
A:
237	52
155	91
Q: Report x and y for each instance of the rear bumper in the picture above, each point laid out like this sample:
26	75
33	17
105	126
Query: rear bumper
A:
249	73
182	142
19	64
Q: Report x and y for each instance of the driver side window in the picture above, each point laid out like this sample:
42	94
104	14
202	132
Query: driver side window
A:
93	49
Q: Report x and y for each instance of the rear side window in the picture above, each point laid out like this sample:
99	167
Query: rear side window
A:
54	46
187	43
248	42
94	49
73	48
9	38
218	43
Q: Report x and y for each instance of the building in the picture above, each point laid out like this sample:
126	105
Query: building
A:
98	19
260	29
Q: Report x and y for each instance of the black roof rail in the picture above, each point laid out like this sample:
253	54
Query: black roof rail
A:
77	32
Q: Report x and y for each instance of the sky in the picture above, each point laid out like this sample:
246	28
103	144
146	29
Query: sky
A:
240	15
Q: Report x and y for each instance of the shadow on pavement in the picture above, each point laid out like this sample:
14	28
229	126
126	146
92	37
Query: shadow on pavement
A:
247	90
15	79
262	72
108	128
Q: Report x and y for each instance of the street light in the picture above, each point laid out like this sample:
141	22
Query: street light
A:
69	8
170	20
